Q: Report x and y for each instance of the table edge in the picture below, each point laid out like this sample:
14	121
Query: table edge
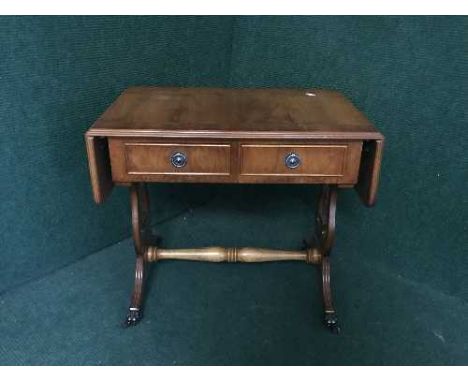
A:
212	134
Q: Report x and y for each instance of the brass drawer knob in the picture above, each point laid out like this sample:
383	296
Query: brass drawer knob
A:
178	159
292	160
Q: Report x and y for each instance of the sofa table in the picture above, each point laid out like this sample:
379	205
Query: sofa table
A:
210	135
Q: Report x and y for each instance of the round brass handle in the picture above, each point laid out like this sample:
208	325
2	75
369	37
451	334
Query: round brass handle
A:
292	160
178	159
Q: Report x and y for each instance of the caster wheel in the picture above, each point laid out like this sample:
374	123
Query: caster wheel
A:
331	321
134	316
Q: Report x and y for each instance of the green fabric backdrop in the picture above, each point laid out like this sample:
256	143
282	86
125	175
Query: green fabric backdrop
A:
408	74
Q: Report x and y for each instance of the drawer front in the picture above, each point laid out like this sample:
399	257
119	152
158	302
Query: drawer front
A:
329	163
146	160
162	158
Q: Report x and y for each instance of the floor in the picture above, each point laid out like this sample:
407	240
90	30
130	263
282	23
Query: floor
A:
228	314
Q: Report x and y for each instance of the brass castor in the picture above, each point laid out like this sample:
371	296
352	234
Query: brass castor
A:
331	321
134	316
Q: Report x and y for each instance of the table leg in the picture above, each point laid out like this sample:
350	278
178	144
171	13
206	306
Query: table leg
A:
320	254
325	227
140	221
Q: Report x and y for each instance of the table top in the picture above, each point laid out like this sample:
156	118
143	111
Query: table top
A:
233	113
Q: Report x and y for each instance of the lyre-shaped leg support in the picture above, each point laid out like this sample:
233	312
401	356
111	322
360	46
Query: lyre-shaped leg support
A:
145	253
325	227
140	222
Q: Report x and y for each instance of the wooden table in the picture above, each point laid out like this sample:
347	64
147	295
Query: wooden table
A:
205	135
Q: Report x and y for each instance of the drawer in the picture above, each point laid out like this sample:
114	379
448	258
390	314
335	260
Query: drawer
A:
146	161
162	158
329	163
